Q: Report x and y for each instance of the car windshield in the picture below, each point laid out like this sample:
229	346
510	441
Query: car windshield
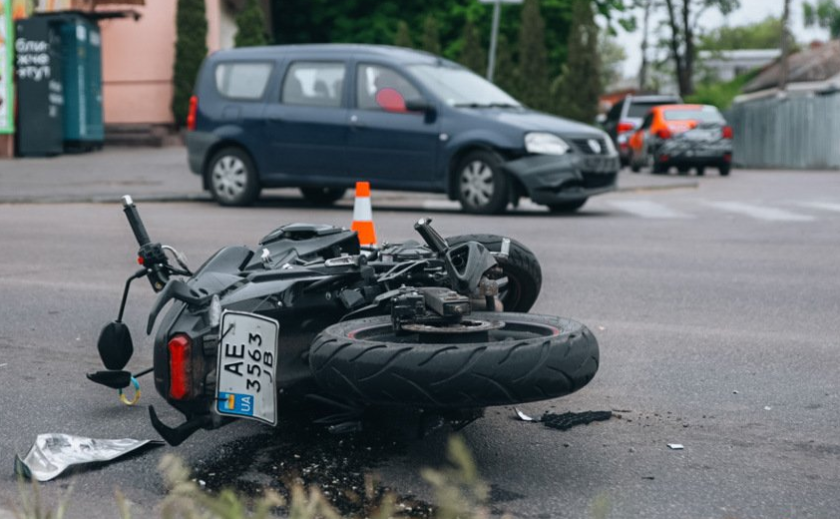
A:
703	115
460	87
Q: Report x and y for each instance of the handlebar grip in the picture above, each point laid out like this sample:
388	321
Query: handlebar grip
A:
434	240
134	220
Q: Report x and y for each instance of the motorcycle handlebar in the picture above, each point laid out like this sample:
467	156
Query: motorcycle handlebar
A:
134	220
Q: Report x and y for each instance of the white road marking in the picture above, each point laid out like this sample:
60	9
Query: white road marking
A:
648	209
770	214
828	206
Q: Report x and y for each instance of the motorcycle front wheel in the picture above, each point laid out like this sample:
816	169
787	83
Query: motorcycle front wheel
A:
531	357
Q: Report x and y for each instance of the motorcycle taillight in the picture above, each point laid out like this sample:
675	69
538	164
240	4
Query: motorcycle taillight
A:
180	366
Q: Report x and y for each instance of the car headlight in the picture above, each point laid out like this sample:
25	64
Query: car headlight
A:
610	145
545	144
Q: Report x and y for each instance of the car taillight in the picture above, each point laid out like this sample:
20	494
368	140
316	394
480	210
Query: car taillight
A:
192	113
624	127
664	134
727	132
180	367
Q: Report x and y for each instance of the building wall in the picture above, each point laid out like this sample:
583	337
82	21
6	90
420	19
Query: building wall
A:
138	58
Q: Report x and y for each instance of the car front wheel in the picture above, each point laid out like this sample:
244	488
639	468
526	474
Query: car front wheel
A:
233	178
482	186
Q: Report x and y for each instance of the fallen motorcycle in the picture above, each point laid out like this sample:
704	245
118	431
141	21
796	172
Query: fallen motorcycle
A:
310	315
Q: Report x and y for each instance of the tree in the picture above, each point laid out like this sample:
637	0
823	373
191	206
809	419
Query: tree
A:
825	14
612	57
505	74
576	91
759	35
431	38
403	36
682	18
473	55
250	26
533	62
190	51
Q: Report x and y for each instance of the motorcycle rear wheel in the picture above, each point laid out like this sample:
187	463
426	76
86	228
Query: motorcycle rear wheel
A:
520	266
533	357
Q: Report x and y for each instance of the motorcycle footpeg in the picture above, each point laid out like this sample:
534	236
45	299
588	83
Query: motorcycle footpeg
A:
115	379
176	436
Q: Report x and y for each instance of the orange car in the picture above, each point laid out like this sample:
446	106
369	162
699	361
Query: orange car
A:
682	136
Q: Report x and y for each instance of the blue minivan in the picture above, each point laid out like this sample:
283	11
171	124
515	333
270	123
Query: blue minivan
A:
321	117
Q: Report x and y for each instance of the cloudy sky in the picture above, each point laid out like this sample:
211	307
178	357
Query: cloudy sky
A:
750	11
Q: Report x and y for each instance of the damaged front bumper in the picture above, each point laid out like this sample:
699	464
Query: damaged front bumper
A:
558	178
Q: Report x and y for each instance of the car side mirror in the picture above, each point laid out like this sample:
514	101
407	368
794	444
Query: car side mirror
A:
418	105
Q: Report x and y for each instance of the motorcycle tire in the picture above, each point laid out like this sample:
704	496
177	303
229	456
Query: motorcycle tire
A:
533	357
520	266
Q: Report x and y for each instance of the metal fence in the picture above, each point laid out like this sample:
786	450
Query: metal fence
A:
794	132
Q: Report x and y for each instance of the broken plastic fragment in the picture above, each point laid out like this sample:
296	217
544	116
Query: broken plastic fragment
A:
676	446
524	417
53	453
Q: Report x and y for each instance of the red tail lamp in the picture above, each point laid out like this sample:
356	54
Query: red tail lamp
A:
180	367
191	115
727	132
664	134
624	127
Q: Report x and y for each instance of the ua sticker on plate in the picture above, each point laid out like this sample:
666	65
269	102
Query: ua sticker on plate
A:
246	384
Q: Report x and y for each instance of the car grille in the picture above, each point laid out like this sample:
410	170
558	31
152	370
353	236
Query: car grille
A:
598	180
586	146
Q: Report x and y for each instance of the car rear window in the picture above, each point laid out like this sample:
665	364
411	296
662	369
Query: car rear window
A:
703	115
640	109
242	80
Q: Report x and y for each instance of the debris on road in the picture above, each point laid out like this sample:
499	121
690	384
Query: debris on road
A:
676	446
568	420
767	408
524	417
54	453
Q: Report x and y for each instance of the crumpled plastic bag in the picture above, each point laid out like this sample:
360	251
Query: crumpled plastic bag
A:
54	453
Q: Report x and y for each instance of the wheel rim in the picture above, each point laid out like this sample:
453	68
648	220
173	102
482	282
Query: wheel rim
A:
477	183
512	331
230	177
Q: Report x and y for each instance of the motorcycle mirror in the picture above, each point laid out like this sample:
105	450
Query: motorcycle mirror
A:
115	345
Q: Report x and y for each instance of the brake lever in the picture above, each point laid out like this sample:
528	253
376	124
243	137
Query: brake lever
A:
435	241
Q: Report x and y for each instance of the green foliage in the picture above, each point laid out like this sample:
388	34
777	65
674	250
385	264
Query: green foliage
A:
473	55
459	490
721	95
533	59
431	38
576	91
825	14
403	36
250	26
32	505
612	57
506	75
190	50
765	34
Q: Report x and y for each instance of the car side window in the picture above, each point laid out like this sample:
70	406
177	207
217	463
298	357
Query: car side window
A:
314	84
383	88
242	80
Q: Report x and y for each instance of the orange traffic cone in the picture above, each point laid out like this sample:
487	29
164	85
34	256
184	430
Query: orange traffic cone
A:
363	215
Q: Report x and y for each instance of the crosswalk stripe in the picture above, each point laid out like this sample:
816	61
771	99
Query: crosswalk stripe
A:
828	206
770	214
648	209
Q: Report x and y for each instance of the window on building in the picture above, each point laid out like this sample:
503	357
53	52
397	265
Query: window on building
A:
314	84
242	80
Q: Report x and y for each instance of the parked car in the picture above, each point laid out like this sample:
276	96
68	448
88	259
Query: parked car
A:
682	136
626	116
321	117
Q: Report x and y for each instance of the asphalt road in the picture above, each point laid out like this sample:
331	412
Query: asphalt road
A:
716	309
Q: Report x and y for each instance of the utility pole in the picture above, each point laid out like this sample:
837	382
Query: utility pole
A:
643	71
494	34
785	47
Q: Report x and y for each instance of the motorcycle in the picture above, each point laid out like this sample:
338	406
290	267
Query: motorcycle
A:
309	315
